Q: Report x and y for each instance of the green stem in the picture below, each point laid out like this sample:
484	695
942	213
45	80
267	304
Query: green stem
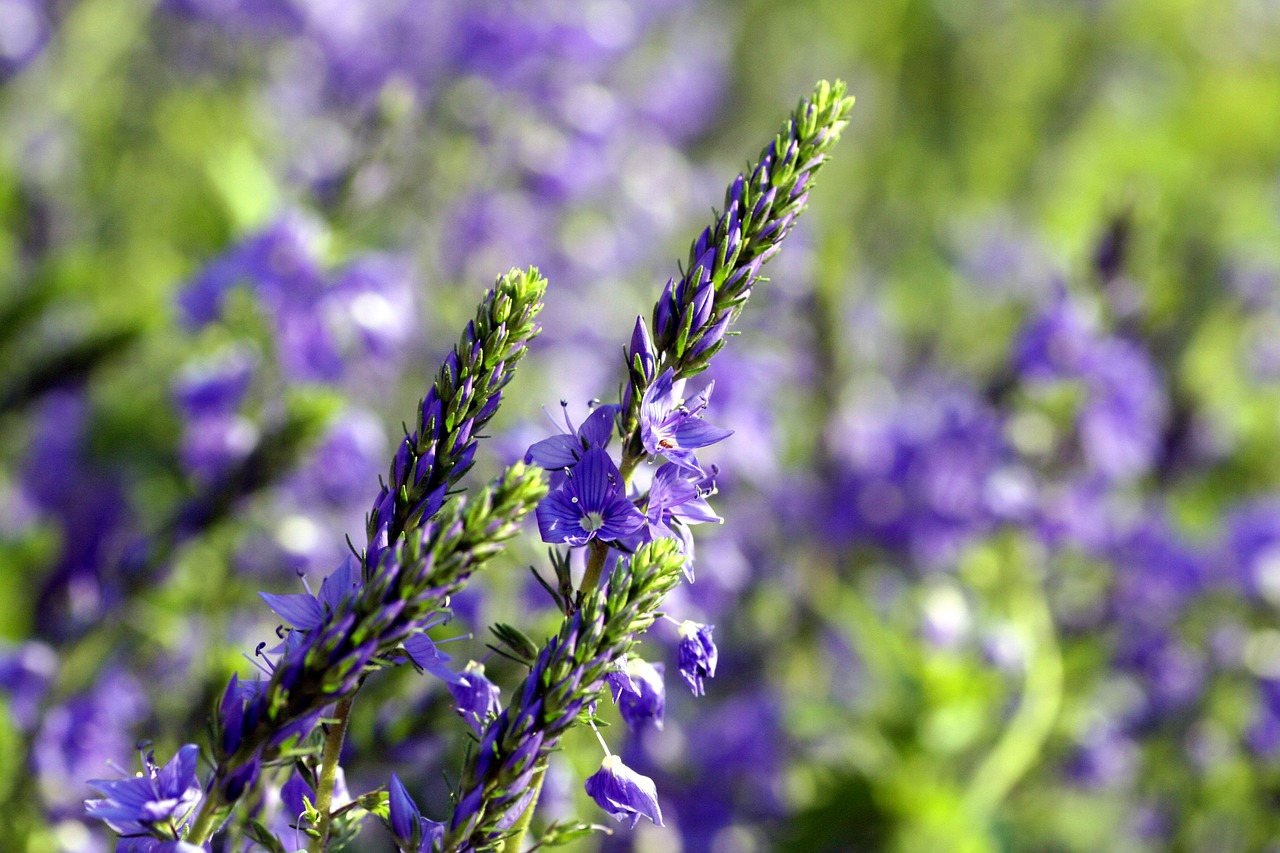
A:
597	551
329	772
203	826
1020	744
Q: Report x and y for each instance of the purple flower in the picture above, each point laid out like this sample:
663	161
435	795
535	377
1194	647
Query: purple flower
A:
307	612
680	494
624	793
26	671
697	654
642	697
590	505
1122	424
566	449
476	696
215	386
673	428
1058	343
157	802
413	832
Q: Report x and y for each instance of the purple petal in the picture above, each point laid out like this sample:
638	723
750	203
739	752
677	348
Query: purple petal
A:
558	451
696	432
300	610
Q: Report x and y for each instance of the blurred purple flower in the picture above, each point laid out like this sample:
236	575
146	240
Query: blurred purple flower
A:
923	477
25	28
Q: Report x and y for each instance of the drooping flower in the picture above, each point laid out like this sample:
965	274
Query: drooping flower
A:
413	832
590	505
477	697
645	702
157	802
624	793
673	427
697	654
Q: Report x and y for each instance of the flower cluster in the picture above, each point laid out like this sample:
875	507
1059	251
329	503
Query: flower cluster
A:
590	507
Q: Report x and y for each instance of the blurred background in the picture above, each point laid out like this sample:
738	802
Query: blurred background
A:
1001	562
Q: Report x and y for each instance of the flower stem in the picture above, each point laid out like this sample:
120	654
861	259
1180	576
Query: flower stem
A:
1020	745
597	551
203	827
329	772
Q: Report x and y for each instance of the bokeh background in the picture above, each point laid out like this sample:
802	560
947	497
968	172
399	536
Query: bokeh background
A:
1001	562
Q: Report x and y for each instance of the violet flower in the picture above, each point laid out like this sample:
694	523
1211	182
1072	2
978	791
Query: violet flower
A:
697	654
645	701
624	793
590	505
157	802
672	428
477	697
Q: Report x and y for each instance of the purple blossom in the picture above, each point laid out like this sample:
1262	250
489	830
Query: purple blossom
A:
678	496
321	317
1253	547
566	449
673	428
642	697
215	386
697	654
1057	343
211	446
679	493
307	612
80	736
590	505
25	28
157	802
924	477
26	671
476	696
1122	422
624	793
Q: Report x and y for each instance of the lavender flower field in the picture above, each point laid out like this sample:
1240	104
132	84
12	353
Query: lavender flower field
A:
682	426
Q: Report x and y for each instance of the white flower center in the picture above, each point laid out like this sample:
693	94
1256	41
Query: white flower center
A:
592	521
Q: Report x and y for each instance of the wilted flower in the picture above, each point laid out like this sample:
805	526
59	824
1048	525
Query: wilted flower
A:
645	699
